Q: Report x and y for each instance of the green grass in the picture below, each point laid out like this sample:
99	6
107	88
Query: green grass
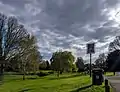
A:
109	74
66	83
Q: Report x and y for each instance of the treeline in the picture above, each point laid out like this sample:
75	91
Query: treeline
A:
64	61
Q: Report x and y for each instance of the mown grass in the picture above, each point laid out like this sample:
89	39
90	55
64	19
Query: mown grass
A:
109	74
66	83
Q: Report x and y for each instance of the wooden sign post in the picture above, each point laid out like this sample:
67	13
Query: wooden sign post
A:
90	50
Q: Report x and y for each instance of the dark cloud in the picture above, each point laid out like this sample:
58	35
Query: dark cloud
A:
111	3
15	3
77	11
101	32
66	24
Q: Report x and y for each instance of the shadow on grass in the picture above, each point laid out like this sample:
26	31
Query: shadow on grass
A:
65	77
25	90
82	88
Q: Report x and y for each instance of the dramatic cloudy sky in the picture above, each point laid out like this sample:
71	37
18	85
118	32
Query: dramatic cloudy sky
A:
67	24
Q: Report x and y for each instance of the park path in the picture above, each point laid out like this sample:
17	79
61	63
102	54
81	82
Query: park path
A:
114	82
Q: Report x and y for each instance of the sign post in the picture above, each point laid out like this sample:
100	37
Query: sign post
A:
90	50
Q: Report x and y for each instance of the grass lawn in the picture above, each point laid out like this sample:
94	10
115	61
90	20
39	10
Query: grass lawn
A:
109	74
66	83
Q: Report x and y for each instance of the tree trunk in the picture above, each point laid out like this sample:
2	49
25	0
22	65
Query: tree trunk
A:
1	72
61	71
58	73
24	76
24	72
114	73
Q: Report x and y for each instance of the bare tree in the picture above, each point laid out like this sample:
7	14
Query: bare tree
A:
12	35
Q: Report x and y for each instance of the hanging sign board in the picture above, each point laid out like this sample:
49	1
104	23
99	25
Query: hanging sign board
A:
90	48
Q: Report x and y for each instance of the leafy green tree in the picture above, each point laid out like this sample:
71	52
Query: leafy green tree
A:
48	65
61	61
28	55
80	64
74	68
43	65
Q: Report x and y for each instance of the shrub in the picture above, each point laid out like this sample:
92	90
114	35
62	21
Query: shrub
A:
41	74
51	72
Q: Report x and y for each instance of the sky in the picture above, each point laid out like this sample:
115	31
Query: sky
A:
67	24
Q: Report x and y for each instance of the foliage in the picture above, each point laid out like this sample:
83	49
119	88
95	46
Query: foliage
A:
29	57
61	61
11	35
41	74
44	65
115	45
48	65
74	68
100	61
113	61
18	48
87	67
80	64
113	55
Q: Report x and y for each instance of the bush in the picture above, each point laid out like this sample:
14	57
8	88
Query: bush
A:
41	74
74	71
80	70
51	72
31	73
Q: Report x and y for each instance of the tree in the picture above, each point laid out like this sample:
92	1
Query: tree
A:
113	61
11	33
61	61
80	64
74	68
48	65
43	65
100	61
115	45
28	55
17	46
27	59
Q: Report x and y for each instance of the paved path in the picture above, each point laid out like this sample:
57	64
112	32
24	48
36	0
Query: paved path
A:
114	82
